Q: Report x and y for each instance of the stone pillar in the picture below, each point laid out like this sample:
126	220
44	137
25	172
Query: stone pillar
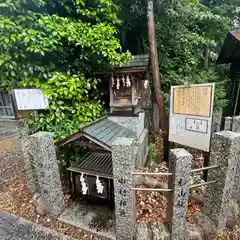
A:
216	122
123	164
180	166
228	124
42	152
29	165
225	153
236	124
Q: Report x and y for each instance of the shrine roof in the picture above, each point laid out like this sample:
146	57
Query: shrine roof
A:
95	163
231	48
103	132
139	63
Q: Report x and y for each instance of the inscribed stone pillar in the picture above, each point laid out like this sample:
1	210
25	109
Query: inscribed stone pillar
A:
180	166
123	164
225	153
228	124
29	165
44	155
236	124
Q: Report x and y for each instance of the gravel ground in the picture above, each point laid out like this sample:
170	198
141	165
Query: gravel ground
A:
15	197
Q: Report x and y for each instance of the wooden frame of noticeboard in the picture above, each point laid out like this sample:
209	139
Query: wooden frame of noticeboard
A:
190	121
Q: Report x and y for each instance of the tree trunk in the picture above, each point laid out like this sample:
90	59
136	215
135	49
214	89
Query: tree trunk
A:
154	64
156	76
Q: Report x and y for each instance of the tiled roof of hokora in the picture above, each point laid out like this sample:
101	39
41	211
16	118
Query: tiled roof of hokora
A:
138	61
107	131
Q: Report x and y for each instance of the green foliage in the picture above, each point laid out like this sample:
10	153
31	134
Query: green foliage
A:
184	28
57	45
69	106
153	154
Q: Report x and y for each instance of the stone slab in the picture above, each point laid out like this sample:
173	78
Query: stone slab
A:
17	228
99	220
205	223
141	149
135	124
6	217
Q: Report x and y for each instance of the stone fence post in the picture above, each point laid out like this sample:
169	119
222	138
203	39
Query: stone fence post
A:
232	124
236	124
225	153
227	123
180	166
123	165
42	170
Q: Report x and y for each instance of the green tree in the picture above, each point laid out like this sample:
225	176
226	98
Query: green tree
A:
184	29
57	45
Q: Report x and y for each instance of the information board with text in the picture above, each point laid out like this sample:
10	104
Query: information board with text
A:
190	121
30	99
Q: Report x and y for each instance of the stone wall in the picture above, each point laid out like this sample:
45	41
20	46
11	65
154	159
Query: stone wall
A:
141	149
135	124
9	128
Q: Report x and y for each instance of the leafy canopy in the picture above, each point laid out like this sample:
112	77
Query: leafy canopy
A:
57	45
184	28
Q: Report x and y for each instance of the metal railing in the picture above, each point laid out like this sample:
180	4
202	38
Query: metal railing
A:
203	169
202	184
152	174
170	174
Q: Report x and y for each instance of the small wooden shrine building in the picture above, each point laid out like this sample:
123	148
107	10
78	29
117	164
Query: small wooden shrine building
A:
90	161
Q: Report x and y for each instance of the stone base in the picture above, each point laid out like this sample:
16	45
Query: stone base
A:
205	223
99	220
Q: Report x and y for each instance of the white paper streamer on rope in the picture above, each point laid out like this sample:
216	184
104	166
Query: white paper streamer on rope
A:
128	82
84	185
123	80
112	78
146	83
99	186
118	82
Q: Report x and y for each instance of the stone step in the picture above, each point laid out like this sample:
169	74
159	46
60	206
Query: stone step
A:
205	223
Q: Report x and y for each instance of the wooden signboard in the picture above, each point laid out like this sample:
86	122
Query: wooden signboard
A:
191	115
30	99
193	100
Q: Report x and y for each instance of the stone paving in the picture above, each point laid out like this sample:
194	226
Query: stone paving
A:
16	228
99	220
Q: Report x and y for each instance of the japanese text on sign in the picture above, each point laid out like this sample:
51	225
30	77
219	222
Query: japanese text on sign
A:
30	99
192	101
190	117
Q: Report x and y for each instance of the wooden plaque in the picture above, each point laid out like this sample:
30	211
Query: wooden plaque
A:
195	100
